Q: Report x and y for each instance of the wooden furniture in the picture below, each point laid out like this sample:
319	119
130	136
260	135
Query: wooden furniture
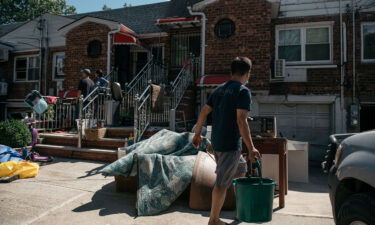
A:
278	147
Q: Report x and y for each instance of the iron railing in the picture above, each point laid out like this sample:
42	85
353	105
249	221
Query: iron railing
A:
59	116
142	113
144	117
94	109
154	72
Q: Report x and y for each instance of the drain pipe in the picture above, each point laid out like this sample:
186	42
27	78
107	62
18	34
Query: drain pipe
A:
203	37
109	46
342	100
354	52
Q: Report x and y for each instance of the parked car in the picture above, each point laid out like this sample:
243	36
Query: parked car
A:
351	178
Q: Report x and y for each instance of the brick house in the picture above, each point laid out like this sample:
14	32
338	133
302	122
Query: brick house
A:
302	74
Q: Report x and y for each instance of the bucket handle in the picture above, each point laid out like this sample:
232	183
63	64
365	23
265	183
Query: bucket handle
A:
258	165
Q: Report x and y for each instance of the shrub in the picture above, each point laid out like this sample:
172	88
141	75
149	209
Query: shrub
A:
14	133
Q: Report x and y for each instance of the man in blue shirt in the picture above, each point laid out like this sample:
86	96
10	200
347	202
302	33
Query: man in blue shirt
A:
101	81
230	106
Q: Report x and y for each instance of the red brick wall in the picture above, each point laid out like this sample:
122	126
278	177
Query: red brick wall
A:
76	57
18	90
327	81
365	71
252	38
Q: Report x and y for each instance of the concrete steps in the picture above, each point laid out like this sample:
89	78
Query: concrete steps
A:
105	149
104	155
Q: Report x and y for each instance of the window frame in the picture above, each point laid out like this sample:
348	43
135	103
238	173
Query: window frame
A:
27	68
54	65
362	43
303	27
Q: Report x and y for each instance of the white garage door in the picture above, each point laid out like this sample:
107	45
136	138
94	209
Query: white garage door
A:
302	122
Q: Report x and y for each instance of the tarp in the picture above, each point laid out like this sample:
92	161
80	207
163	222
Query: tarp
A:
23	169
9	154
164	168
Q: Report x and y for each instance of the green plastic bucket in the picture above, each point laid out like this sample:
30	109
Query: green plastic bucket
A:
254	198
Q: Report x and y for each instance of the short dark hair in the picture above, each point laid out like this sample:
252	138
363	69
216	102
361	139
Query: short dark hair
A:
99	72
241	66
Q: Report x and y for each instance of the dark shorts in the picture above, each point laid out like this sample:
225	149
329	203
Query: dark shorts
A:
228	165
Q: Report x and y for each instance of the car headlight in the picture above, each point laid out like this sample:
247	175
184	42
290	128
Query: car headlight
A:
338	155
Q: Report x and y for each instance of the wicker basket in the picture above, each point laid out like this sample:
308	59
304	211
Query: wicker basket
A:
94	134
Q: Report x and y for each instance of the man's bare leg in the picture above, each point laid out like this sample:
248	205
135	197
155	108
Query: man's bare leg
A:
218	198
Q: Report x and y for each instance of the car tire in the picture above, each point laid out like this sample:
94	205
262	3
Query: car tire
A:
358	207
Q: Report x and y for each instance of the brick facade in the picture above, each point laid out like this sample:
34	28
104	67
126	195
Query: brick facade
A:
76	57
327	81
252	38
18	90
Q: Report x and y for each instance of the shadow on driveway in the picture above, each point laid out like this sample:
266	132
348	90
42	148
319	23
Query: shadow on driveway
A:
109	202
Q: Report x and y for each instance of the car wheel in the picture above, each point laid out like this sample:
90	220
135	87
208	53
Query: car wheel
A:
357	210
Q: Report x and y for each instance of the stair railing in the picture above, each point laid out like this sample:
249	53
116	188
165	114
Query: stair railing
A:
142	113
184	78
94	109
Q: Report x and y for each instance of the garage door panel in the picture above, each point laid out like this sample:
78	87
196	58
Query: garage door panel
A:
304	122
322	109
285	121
305	109
322	122
286	109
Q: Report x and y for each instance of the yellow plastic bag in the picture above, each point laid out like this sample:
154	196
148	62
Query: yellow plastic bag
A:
23	168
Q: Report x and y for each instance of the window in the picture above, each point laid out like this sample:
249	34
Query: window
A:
304	44
58	65
224	28
368	42
26	68
94	49
183	46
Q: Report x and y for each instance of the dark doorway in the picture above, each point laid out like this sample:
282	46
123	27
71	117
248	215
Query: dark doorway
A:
122	59
367	117
157	53
141	61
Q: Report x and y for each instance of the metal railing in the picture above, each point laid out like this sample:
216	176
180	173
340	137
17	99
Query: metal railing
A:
59	116
94	108
142	113
154	72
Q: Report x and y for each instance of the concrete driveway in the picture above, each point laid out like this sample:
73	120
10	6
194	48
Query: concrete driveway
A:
71	191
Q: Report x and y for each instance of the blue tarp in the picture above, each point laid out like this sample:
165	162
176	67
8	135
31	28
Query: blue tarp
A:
164	168
9	154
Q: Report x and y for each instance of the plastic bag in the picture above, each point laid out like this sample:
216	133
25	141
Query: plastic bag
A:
23	168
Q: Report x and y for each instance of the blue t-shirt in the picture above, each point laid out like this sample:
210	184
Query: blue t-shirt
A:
225	101
102	81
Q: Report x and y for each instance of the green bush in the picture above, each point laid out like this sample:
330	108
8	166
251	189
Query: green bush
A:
14	133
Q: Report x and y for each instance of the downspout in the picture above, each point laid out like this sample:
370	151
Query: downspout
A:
203	37
109	46
342	100
354	75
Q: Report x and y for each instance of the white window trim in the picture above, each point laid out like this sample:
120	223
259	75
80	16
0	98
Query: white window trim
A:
362	44
27	63
54	64
303	27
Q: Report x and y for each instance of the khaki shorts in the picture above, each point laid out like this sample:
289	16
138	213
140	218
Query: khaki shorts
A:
228	165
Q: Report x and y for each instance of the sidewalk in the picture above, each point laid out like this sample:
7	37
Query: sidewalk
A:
72	192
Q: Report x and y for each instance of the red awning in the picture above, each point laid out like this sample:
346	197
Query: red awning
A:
212	80
125	39
125	36
179	20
